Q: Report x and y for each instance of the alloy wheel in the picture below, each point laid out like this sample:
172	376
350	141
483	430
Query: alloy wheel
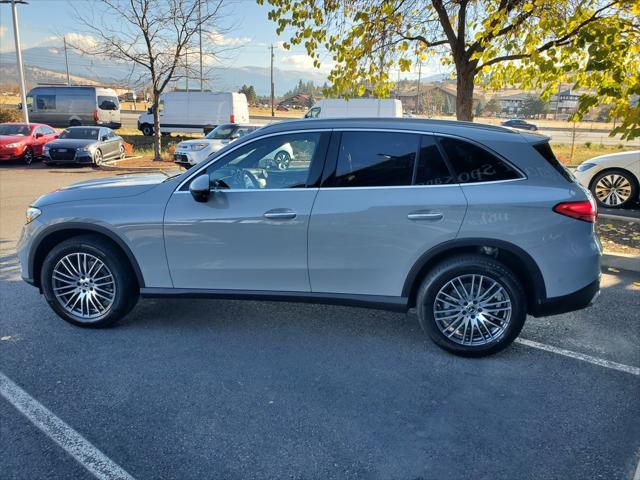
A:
83	285
97	157
28	156
472	309
282	160
613	189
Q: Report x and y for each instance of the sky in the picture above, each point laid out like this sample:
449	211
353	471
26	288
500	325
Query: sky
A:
246	25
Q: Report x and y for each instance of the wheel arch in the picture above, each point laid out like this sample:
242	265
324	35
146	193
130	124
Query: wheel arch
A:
53	235
633	176
514	257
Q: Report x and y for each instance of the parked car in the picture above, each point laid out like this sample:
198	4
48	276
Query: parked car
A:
355	107
613	179
24	141
84	145
196	112
473	225
191	152
521	124
63	106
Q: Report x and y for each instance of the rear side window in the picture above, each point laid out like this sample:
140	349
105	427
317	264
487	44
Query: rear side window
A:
473	164
544	149
372	159
431	168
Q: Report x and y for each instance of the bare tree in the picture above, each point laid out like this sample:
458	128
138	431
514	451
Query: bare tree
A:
151	35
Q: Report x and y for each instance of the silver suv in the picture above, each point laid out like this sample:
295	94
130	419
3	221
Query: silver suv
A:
475	226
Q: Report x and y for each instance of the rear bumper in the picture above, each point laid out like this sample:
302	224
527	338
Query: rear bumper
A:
568	303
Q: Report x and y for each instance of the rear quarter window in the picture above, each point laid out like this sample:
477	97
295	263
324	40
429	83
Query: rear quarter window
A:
473	164
544	149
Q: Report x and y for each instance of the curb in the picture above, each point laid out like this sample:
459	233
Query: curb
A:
623	262
622	218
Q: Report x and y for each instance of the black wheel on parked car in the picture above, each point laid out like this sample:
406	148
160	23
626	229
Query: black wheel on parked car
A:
614	188
147	130
471	305
282	160
88	282
122	153
28	156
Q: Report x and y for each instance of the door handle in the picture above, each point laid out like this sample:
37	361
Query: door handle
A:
425	216
280	214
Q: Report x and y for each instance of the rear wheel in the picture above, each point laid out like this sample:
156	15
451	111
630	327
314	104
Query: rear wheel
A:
282	160
122	154
147	130
74	123
88	282
471	305
614	189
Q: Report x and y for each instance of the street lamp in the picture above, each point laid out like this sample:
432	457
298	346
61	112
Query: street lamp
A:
16	34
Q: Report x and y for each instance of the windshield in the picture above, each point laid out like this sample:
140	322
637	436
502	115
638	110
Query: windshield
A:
15	129
222	132
84	133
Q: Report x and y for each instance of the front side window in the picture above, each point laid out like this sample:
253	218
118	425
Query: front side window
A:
281	161
46	102
372	159
313	113
473	164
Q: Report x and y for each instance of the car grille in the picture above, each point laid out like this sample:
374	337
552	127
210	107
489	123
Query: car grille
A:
180	158
62	153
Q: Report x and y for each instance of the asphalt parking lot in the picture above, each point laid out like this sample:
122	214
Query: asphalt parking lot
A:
185	389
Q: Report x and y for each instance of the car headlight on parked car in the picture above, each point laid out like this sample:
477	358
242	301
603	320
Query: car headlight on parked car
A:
84	149
33	213
13	145
585	166
194	147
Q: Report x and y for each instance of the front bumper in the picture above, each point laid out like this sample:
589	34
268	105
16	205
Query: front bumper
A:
577	300
78	159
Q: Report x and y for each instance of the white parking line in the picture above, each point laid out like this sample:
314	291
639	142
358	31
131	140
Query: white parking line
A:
71	441
580	356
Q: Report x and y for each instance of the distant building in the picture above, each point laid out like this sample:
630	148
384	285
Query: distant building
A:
512	105
297	101
432	99
564	103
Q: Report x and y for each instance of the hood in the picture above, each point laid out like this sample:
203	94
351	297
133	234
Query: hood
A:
617	159
122	186
4	139
70	143
204	140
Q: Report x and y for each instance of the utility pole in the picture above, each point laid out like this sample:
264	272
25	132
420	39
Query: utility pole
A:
16	35
555	115
273	113
186	66
66	60
418	102
200	32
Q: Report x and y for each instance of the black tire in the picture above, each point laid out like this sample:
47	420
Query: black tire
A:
27	157
633	182
471	264
126	288
282	160
146	129
122	155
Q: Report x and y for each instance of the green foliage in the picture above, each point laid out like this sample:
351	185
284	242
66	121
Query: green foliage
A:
10	115
534	106
250	93
493	106
305	88
532	44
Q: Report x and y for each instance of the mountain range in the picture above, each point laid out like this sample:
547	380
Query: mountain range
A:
47	65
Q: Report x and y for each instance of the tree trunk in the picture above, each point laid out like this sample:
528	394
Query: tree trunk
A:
157	147
464	99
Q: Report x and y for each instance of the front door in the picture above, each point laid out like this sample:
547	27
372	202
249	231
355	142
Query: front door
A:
252	232
390	198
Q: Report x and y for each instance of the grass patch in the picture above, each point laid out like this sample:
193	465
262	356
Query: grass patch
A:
585	151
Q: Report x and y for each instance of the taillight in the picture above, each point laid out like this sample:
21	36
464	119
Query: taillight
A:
232	119
95	115
585	210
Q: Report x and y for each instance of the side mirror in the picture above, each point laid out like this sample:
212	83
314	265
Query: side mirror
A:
104	138
235	136
39	135
200	188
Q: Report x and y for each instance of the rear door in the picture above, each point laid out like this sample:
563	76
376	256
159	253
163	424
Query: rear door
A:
388	198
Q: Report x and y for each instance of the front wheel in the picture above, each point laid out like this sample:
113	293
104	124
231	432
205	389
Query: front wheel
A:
614	189
88	282
98	159
28	156
122	153
147	130
471	305
282	160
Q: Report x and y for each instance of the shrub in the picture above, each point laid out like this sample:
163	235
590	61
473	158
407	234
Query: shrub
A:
7	115
587	144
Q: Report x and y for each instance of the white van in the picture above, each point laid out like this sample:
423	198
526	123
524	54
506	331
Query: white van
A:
356	107
196	112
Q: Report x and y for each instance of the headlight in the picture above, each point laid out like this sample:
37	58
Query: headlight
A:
12	145
33	213
585	166
84	149
194	147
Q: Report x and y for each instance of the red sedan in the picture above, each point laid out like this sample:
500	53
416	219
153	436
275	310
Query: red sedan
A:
24	141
